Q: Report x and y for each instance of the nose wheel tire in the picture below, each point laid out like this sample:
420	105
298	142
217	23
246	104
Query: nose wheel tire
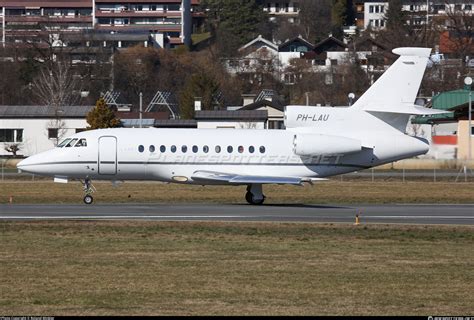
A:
88	199
251	199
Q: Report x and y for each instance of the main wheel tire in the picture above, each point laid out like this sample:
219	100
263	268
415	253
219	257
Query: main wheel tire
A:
88	199
251	200
249	197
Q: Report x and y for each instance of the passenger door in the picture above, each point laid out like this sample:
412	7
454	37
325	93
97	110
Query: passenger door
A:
108	155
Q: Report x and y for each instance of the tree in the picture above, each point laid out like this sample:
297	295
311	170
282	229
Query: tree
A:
202	85
342	14
315	17
56	86
396	33
13	148
102	117
234	22
137	70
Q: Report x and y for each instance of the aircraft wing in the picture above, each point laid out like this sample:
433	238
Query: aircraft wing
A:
220	177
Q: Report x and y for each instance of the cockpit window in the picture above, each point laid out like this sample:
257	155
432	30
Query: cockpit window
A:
71	143
81	143
63	143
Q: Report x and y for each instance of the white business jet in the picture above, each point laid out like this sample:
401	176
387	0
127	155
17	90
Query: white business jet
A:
318	142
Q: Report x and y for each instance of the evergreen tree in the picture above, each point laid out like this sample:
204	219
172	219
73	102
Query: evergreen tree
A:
102	117
200	85
396	33
234	22
342	14
395	17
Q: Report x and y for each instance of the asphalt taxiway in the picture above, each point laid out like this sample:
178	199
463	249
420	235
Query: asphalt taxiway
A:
406	214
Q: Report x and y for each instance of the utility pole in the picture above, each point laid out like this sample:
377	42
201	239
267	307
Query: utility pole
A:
93	14
3	27
141	108
468	83
469	156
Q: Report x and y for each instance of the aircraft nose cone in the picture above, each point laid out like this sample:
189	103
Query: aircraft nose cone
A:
27	164
20	165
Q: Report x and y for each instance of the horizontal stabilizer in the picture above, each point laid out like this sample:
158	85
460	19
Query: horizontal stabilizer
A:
406	109
398	85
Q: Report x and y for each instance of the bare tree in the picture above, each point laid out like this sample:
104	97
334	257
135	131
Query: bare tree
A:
13	148
56	87
460	24
315	17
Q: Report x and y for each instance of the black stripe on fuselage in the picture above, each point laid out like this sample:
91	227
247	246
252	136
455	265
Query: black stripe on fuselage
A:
245	164
209	163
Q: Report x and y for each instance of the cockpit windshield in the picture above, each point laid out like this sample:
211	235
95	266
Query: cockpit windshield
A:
63	143
81	143
67	143
71	143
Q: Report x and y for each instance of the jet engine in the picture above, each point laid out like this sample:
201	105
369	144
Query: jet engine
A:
319	144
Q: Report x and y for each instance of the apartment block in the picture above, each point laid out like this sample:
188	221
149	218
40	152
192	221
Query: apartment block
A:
25	20
282	8
419	12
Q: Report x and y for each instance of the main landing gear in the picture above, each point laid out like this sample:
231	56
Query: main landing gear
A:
88	189
255	194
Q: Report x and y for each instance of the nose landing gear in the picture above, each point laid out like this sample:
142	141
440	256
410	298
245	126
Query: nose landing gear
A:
254	194
88	189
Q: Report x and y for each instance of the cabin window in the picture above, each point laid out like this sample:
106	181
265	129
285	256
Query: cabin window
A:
152	148
205	149
251	149
173	149
81	143
241	149
71	143
195	149
184	149
141	148
218	149
162	148
230	149
262	149
62	144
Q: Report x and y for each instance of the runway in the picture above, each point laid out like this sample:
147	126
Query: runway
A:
406	214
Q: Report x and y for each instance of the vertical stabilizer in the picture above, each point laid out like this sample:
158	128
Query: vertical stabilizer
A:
399	85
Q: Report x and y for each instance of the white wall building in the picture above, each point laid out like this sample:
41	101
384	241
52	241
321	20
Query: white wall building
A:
245	119
374	14
36	128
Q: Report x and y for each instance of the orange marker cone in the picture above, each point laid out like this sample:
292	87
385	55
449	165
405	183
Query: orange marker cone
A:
357	220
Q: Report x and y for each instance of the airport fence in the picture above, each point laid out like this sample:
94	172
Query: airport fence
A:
374	175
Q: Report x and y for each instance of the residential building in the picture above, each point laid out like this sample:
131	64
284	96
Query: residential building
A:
282	8
263	56
33	21
246	119
419	12
374	16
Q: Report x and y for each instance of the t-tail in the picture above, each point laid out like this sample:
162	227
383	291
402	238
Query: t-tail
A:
392	97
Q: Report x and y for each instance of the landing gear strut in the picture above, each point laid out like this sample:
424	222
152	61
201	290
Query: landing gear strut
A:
88	189
254	194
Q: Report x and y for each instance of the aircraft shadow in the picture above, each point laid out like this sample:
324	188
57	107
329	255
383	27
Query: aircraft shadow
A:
296	205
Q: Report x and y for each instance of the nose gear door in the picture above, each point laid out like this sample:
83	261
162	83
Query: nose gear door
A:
108	155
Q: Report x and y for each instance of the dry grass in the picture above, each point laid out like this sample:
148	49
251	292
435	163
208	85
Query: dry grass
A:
171	268
333	191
